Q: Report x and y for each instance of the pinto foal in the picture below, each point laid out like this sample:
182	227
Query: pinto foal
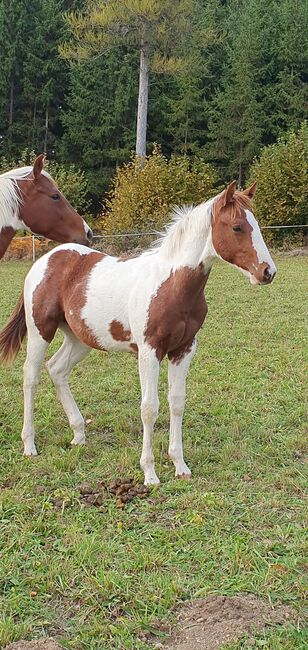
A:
152	306
30	200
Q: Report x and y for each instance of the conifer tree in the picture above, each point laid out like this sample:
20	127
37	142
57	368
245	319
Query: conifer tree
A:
147	25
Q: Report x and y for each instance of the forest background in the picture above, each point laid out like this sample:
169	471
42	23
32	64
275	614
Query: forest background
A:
227	81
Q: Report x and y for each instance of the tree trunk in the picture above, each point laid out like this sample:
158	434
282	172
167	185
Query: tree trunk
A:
46	127
240	166
141	137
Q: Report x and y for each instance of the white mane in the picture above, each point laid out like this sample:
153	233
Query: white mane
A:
10	198
189	224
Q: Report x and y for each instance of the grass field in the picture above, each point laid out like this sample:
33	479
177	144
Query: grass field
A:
101	578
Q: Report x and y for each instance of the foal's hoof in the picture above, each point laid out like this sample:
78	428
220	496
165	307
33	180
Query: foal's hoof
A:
80	441
184	477
182	471
152	480
30	451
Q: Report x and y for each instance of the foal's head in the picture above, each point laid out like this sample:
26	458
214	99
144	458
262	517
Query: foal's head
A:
236	236
45	211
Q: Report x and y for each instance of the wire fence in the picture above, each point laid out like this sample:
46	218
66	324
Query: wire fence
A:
107	242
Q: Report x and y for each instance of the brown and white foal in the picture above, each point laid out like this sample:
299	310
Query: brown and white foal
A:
152	305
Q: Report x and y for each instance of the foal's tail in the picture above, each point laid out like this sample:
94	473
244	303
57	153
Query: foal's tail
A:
13	333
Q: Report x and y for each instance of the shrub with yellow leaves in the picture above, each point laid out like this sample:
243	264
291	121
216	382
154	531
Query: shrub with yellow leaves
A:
141	196
282	184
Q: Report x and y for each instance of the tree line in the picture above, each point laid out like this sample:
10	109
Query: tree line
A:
225	78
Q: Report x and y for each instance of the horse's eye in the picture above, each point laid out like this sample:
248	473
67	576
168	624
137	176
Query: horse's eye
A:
236	228
55	197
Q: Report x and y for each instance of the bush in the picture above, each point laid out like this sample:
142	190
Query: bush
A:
140	198
281	174
71	181
21	248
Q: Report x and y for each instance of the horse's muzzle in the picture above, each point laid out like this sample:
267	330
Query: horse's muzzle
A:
268	275
89	235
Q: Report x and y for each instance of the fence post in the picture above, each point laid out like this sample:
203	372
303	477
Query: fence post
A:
33	249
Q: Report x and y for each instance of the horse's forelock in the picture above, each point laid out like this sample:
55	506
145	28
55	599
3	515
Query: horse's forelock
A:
239	201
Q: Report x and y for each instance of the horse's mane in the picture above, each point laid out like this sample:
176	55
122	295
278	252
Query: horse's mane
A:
20	172
10	200
184	222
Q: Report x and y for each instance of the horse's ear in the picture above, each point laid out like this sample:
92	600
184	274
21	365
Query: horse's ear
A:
250	191
229	193
38	165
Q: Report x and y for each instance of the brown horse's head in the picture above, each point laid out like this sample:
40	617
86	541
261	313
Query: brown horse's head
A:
45	211
236	236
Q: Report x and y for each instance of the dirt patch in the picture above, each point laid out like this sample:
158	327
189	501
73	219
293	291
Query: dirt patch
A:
38	644
122	489
208	623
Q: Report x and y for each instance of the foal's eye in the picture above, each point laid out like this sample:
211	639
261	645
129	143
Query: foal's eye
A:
236	228
55	197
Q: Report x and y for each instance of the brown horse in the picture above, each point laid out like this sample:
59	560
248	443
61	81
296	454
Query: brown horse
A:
30	200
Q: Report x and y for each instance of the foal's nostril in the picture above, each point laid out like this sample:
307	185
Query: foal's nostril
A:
89	235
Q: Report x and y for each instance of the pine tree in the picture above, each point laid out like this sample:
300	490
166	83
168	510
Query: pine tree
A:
99	122
145	24
262	91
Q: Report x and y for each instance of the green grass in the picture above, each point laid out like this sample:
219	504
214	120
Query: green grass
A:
101	578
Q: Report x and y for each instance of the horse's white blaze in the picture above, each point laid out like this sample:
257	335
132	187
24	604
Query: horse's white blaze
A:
86	227
259	244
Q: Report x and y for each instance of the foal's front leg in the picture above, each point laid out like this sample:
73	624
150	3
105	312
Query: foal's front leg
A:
177	372
148	372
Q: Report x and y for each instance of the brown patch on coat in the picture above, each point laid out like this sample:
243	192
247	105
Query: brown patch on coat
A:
118	332
176	313
61	295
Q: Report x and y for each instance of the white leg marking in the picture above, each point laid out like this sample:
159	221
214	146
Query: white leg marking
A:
148	372
177	391
59	367
36	347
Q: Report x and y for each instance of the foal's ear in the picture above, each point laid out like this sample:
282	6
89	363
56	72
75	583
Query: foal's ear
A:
38	165
250	191
229	193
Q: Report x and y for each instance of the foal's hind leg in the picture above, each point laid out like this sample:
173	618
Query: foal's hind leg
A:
36	347
177	389
59	367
